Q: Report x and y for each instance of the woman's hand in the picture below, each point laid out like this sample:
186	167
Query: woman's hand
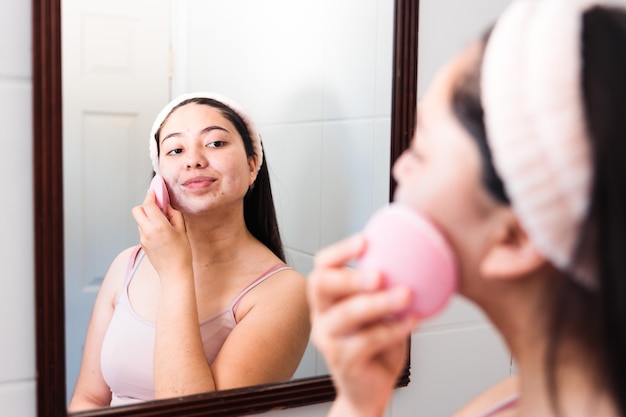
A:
164	239
167	246
364	348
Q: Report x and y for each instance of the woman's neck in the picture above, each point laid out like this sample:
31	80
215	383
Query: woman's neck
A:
572	382
578	388
218	237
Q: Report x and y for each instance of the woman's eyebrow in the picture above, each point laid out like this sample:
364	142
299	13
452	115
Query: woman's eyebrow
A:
210	128
203	131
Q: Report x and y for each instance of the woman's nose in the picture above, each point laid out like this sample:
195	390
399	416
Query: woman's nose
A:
400	166
196	159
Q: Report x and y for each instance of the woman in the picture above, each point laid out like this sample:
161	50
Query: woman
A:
215	258
518	157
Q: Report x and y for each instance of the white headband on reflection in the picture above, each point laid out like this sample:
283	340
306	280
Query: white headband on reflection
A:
165	112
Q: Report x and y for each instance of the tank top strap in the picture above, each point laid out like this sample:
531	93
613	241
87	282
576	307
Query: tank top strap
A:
506	403
273	270
133	262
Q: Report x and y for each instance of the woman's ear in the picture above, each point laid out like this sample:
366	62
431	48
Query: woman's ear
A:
254	172
512	254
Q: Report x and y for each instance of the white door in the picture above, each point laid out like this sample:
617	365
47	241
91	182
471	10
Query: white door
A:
115	80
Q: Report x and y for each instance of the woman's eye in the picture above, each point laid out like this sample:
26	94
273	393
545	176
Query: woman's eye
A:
174	151
217	144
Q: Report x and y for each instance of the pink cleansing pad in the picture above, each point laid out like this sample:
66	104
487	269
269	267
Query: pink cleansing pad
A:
160	192
409	250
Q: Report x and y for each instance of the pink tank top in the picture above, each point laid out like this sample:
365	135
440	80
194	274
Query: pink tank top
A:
505	404
127	352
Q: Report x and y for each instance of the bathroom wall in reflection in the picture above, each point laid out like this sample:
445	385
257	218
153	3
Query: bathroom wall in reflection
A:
316	76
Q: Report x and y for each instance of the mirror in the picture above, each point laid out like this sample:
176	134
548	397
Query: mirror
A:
49	230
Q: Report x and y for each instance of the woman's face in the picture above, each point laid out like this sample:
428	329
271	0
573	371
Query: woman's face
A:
203	159
440	174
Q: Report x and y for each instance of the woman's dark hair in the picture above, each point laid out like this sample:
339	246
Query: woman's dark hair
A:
604	232
468	108
597	318
258	205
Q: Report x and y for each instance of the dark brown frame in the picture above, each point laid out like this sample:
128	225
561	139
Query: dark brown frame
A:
48	225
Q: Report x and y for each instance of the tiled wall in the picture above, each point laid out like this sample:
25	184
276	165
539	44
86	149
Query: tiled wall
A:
316	77
453	357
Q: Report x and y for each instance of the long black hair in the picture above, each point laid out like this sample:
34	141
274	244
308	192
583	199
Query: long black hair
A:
597	318
258	205
604	232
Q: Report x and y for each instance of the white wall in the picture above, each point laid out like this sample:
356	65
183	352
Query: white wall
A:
453	357
17	310
318	85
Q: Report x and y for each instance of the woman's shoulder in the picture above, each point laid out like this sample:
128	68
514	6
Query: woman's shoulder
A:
283	274
500	395
278	286
123	256
122	260
269	265
279	277
115	275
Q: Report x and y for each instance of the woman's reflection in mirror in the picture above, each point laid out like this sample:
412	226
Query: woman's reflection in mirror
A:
206	302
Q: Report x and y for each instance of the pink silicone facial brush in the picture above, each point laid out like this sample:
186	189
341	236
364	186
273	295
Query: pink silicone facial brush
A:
160	191
408	249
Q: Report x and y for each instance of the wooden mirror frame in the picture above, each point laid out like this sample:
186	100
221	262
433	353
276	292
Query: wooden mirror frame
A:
49	236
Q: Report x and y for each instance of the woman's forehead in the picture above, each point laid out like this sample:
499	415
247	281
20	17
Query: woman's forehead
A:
193	110
456	70
194	113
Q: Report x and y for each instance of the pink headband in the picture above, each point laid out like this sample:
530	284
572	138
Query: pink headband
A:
535	120
165	112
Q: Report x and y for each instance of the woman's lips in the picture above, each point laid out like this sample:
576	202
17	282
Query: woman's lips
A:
198	183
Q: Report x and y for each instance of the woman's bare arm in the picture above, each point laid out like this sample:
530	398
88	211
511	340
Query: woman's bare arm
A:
91	390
